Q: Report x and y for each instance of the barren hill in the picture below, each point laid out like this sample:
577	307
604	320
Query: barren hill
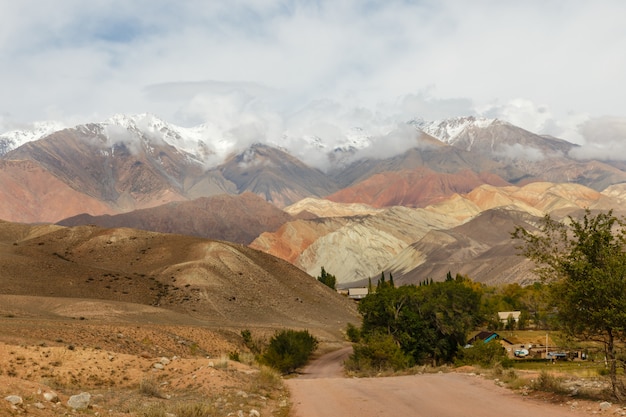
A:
419	187
138	320
235	218
219	283
455	234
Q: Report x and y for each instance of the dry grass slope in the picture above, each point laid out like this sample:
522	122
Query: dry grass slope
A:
92	309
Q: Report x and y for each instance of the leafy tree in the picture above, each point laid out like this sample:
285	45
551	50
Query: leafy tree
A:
586	264
327	279
427	322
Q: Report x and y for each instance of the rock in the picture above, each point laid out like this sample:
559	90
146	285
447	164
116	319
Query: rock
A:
39	406
80	401
254	413
158	366
164	361
605	405
51	396
14	399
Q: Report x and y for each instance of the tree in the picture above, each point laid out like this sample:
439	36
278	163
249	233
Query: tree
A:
327	279
585	262
427	322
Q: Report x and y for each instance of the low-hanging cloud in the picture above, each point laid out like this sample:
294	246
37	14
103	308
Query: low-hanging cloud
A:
605	139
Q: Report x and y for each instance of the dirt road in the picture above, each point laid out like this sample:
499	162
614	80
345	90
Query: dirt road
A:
322	391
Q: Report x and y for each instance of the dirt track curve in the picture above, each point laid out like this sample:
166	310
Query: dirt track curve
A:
322	391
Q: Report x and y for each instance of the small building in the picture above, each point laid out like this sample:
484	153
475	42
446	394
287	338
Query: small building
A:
486	336
358	293
504	316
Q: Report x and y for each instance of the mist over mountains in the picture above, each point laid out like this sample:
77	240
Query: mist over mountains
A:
417	201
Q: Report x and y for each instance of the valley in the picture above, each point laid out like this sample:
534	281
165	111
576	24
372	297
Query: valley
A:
133	254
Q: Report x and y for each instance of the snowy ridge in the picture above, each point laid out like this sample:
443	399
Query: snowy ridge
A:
211	143
449	129
15	138
204	142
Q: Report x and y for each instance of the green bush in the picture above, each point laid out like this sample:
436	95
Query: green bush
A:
378	352
289	350
255	345
353	333
484	354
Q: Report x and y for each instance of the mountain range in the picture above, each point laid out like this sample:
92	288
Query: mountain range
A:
445	203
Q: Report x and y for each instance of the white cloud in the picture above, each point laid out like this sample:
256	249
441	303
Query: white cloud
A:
605	138
546	66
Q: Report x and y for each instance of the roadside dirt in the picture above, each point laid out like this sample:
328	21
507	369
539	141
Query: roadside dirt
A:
322	390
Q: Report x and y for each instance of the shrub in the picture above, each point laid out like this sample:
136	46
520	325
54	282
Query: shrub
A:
255	345
378	352
266	381
549	383
353	333
150	388
484	354
289	350
195	410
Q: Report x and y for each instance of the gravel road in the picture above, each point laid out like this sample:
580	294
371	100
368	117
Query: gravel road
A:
322	391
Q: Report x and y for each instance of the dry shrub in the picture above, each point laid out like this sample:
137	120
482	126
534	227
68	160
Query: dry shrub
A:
549	383
150	388
154	410
266	381
195	410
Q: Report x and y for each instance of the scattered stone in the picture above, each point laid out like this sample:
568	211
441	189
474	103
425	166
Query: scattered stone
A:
242	394
51	396
211	364
39	406
14	399
164	361
240	413
605	405
80	401
254	413
158	366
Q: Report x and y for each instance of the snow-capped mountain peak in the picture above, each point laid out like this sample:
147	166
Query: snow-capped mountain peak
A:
16	138
448	130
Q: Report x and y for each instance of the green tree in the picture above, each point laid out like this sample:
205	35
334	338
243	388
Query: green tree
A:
427	322
585	262
327	279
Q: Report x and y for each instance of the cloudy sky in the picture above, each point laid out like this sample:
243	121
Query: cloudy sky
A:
551	66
